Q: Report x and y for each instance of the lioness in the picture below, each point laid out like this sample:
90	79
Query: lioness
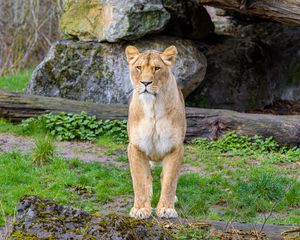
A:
156	129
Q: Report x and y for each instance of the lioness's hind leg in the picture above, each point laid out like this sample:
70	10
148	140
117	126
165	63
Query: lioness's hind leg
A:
170	174
142	183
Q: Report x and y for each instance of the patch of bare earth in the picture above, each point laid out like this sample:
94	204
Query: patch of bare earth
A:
9	142
186	168
120	204
84	151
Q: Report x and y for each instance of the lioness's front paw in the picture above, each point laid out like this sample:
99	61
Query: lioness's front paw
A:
166	212
140	213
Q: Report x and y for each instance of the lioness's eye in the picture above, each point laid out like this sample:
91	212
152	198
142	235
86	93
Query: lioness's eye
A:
138	68
157	68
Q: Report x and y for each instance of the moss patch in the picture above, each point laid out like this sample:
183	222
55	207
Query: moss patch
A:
44	219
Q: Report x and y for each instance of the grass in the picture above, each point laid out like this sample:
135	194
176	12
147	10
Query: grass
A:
235	178
238	180
34	130
16	82
240	197
43	150
84	185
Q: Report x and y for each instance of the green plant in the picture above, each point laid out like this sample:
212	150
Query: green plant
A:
266	145
69	126
43	150
244	194
115	129
231	142
64	181
31	126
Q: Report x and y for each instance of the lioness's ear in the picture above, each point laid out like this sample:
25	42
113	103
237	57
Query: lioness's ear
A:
131	53
169	55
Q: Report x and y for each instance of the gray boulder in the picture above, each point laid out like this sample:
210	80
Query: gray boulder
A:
99	72
253	65
112	20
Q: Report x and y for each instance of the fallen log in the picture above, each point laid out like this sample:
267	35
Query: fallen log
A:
237	230
284	11
209	123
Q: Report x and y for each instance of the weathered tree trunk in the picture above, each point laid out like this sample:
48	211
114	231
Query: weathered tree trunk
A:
236	230
285	11
210	123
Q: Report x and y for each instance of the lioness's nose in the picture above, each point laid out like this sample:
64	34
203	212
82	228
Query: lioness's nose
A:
146	83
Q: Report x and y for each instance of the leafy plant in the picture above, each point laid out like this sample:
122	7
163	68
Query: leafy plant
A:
43	151
231	142
266	145
69	126
116	129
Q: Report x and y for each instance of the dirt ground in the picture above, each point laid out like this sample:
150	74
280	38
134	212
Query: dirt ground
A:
85	151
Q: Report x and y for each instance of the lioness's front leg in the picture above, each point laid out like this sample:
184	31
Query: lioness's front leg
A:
170	174
142	183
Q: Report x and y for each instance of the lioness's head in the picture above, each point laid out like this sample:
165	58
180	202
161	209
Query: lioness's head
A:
150	70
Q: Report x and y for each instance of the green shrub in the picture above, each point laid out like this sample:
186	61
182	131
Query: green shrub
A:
69	126
231	142
266	145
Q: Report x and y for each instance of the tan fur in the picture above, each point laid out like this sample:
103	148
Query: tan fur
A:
156	129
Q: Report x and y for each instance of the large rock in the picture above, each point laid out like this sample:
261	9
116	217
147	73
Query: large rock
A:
99	72
189	19
44	219
112	20
252	66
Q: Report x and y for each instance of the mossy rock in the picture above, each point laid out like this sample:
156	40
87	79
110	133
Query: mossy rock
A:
99	72
112	20
39	218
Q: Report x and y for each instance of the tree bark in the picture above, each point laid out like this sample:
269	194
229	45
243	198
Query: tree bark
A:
236	230
285	11
209	123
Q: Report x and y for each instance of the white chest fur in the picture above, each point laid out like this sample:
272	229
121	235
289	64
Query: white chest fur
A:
154	134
